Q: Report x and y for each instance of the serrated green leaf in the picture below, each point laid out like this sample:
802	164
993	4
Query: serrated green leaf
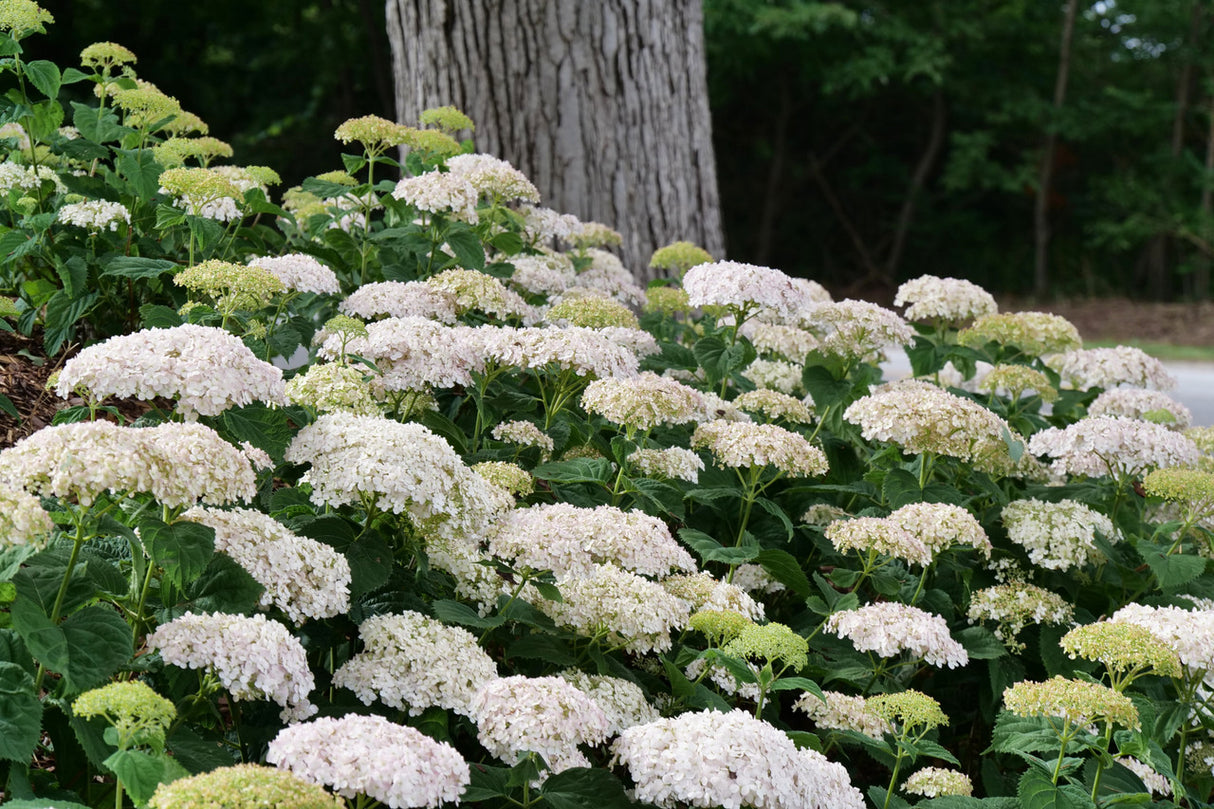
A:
823	387
141	170
712	551
1036	791
137	267
784	568
142	772
1172	571
182	550
20	713
155	316
466	245
981	644
264	427
900	488
577	470
223	586
45	76
456	612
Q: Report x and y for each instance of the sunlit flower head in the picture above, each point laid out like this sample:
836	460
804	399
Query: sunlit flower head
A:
947	300
1079	702
1034	333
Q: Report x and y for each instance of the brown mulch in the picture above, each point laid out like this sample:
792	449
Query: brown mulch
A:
24	369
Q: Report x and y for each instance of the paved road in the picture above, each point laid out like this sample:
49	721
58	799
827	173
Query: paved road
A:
1194	388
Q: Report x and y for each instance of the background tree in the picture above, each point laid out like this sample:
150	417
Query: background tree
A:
602	105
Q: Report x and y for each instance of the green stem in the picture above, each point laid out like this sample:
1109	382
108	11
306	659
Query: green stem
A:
1108	737
77	543
118	791
893	779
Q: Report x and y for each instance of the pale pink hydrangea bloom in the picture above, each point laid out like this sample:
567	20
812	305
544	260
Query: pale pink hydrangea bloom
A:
412	662
711	759
397	765
632	612
1109	367
255	658
302	577
856	330
951	300
177	363
493	177
622	701
700	591
300	272
881	534
1189	632
745	287
568	539
1057	536
1143	404
642	402
23	521
544	715
890	628
1102	445
95	215
843	712
672	463
942	525
400	299
586	352
739	444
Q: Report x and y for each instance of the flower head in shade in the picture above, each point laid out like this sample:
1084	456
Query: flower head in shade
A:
622	701
549	273
743	288
947	300
440	192
1141	403
1077	701
23	521
132	708
1016	604
770	643
302	577
678	257
672	463
21	17
890	628
619	607
883	535
667	301
398	766
710	759
400	299
95	215
203	192
593	312
243	786
475	291
1109	367
607	276
1189	632
588	235
1097	446
700	591
642	402
545	715
909	708
233	286
254	658
856	330
175	151
775	406
776	375
1057	536
741	445
1013	381
177	363
1034	333
331	386
1122	647
300	272
780	341
843	712
941	526
934	782
106	55
412	662
509	476
523	433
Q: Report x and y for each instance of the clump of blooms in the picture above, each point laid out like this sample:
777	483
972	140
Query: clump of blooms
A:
1151	779
398	766
302	577
709	759
843	712
567	539
23	521
1057	536
405	467
856	330
777	375
607	275
1102	445
890	628
175	151
1077	701
593	312
909	708
622	701
941	526
27	178
933	782
700	591
106	55
203	192
446	118
233	286
95	215
679	257
947	300
1033	333
376	134
775	405
1122	647
770	643
923	418
544	715
413	353
880	535
549	273
177	363
719	626
330	386
132	708
480	292
1109	367
1013	381
786	342
1140	403
619	607
493	178
400	299
1016	604
542	225
821	515
1193	489
672	463
243	786
300	272
642	402
743	288
440	192
740	444
667	301
584	236
1189	632
511	477
523	433
585	352
254	658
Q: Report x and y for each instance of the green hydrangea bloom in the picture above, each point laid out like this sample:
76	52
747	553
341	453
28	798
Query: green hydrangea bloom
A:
770	643
139	714
244	786
720	626
910	709
447	118
679	257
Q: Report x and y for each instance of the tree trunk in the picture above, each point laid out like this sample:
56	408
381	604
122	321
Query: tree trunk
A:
1041	219
603	105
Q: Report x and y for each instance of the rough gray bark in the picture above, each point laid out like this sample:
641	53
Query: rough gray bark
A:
603	104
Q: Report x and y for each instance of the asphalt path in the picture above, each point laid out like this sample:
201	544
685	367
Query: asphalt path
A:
1194	384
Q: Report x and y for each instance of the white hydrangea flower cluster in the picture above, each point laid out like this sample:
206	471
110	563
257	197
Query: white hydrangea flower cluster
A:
1057	536
440	192
1034	333
523	433
742	445
942	525
890	628
1014	605
300	272
330	386
1109	367
711	759
672	463
700	591
619	606
1189	632
1150	778
413	353
642	402
95	215
397	765
755	579
542	225
856	330
27	178
1144	404
1103	445
724	679
177	363
586	352
544	715
881	534
476	291
785	342
179	464
622	701
607	276
400	299
920	417
302	577
412	470
775	405
843	712
777	375
23	521
255	658
412	662
933	782
743	287
548	274
949	300
493	177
